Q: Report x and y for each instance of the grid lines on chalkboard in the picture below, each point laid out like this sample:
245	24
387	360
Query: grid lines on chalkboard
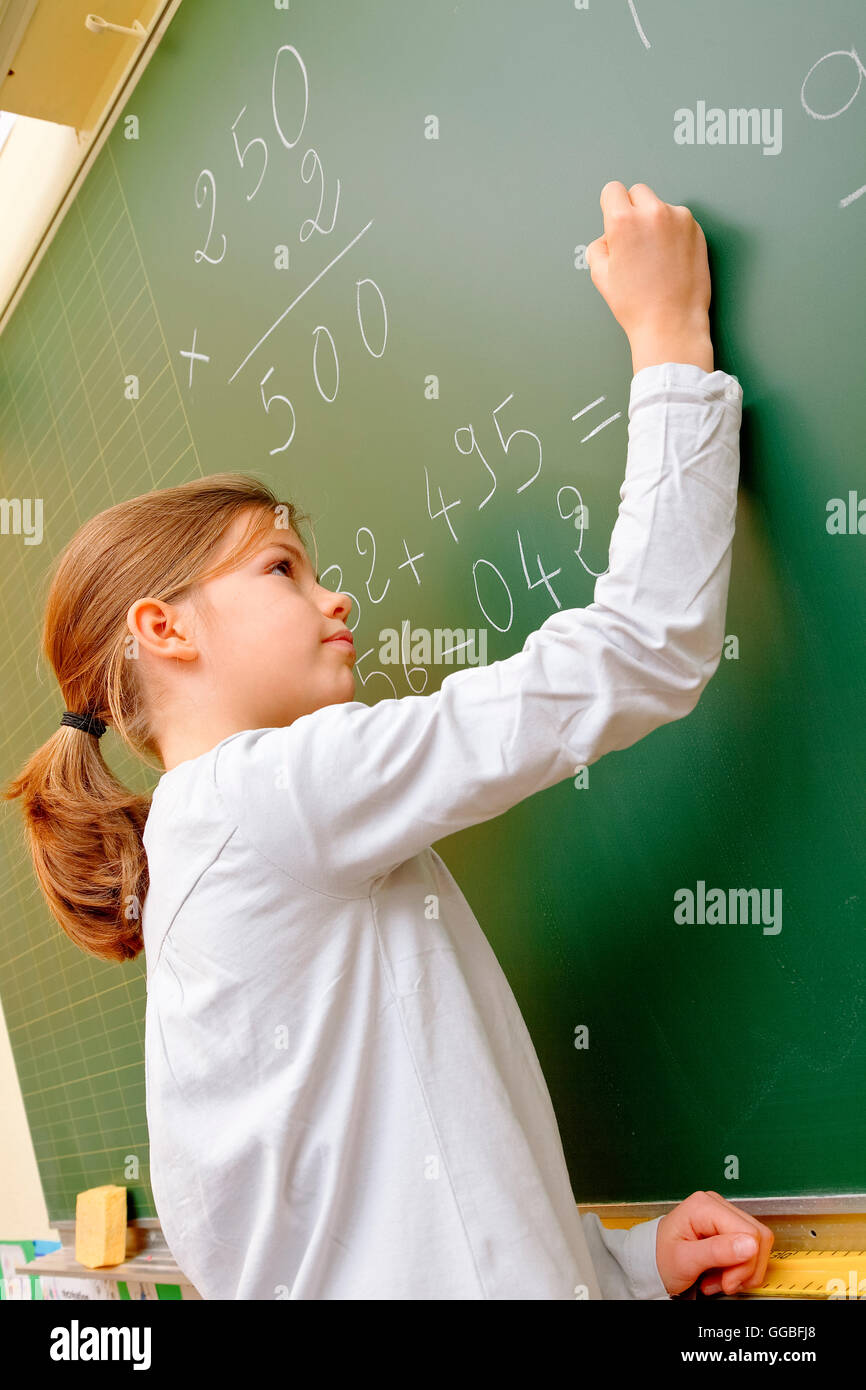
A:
72	436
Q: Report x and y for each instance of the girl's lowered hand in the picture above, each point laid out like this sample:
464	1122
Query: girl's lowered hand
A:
701	1237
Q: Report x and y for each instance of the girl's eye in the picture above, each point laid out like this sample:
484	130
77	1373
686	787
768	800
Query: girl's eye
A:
280	564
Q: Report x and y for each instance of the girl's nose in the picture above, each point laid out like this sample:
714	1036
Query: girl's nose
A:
339	604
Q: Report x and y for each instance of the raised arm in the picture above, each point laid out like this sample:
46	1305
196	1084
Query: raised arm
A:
343	795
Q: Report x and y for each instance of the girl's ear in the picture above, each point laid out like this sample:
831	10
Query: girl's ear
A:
161	628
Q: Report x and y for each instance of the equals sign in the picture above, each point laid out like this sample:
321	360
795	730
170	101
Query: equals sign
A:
610	419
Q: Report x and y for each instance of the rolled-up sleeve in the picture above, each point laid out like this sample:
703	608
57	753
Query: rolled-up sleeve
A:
348	792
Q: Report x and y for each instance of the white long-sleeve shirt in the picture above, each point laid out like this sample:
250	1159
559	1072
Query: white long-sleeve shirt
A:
342	1096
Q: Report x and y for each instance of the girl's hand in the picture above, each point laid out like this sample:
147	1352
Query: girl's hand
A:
651	268
700	1235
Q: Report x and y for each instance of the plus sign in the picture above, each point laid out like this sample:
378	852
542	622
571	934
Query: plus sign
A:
193	355
409	559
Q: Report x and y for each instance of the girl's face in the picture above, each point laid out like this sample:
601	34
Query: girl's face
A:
248	650
264	639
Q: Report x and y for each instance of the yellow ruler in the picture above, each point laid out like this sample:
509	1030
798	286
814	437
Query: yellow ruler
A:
813	1274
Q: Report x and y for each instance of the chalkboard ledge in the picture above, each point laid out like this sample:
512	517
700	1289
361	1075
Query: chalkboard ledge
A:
148	1260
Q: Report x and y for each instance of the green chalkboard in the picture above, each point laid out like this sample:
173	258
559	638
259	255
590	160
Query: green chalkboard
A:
340	247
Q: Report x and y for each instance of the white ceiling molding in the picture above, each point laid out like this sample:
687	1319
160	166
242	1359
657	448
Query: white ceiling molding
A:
68	85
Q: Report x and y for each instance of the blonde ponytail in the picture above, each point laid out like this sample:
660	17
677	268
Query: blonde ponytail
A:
84	831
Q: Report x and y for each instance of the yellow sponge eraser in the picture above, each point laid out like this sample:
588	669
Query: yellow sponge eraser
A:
100	1226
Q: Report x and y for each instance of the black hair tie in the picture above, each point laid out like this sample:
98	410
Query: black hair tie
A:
87	723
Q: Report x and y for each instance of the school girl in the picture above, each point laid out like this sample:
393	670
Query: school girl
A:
343	1100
